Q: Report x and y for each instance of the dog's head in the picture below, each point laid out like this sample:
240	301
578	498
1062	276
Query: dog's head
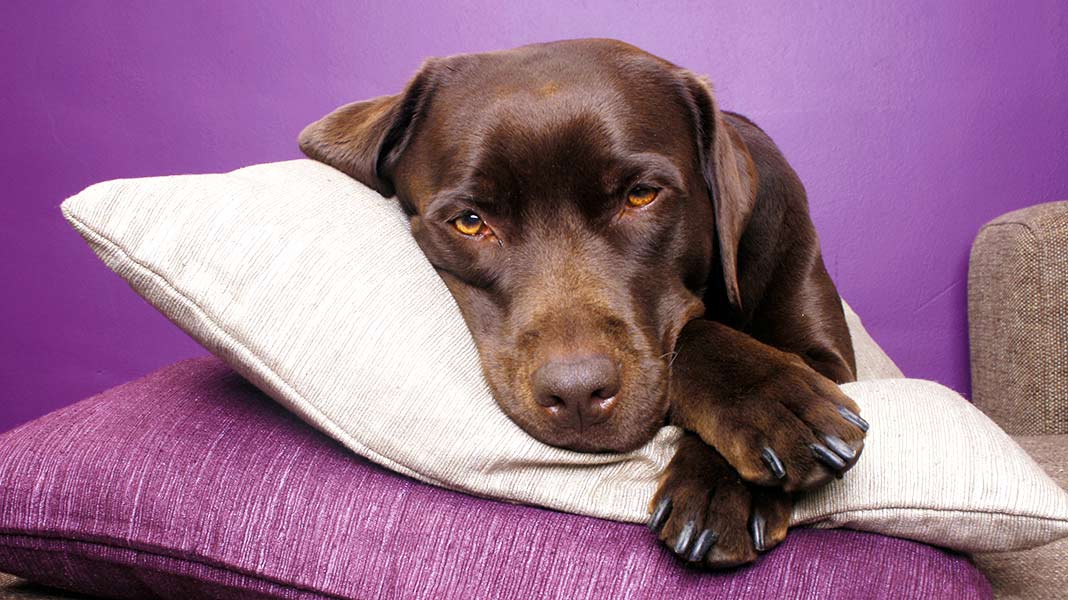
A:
577	198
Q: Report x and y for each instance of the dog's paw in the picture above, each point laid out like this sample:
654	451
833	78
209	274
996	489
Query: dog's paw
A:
793	428
709	517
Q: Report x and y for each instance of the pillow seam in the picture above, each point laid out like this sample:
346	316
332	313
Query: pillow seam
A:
1015	515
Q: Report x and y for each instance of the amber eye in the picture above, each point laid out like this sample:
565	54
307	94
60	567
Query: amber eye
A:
469	224
641	196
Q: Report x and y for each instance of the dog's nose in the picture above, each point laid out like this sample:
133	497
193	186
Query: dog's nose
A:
578	391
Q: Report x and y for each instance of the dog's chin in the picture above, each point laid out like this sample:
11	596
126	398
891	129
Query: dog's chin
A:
590	441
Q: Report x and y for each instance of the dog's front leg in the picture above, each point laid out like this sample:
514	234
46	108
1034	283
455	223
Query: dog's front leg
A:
766	411
761	423
708	516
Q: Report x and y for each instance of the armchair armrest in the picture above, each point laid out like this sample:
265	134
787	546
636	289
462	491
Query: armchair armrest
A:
1018	319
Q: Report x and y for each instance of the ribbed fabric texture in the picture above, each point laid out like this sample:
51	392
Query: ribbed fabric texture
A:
1018	319
192	484
310	285
872	362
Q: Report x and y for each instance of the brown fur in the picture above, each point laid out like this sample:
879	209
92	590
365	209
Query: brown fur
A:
712	302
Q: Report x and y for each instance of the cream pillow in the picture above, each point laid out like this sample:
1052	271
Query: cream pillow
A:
310	285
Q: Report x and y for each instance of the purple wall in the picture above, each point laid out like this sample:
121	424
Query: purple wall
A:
911	123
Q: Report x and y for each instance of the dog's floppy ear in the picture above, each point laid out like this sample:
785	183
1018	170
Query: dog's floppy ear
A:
730	175
364	139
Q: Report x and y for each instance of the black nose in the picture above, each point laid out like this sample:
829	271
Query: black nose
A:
577	391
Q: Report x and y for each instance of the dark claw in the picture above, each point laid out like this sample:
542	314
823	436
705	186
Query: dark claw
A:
827	457
685	536
839	447
660	515
853	418
774	464
701	546
757	524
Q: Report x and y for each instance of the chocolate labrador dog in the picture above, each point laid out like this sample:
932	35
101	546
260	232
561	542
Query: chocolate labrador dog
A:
626	256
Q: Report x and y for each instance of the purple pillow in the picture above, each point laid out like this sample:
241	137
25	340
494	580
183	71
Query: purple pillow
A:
192	483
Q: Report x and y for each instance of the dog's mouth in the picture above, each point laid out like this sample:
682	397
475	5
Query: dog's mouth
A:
590	377
587	403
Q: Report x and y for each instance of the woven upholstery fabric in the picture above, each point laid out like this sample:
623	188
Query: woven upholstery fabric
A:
1018	319
191	483
275	269
1039	573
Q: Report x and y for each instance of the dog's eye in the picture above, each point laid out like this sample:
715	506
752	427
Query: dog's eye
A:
469	224
641	196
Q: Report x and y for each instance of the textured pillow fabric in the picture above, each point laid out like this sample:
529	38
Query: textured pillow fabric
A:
939	471
191	483
309	284
872	361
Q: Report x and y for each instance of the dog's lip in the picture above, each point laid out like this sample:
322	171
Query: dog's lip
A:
606	437
540	423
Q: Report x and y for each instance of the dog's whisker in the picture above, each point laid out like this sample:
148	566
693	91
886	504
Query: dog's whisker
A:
671	361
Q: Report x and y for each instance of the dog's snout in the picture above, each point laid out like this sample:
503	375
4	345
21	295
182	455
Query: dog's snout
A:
577	391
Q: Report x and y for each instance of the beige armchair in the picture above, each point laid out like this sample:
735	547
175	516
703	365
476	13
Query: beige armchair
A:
1018	330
